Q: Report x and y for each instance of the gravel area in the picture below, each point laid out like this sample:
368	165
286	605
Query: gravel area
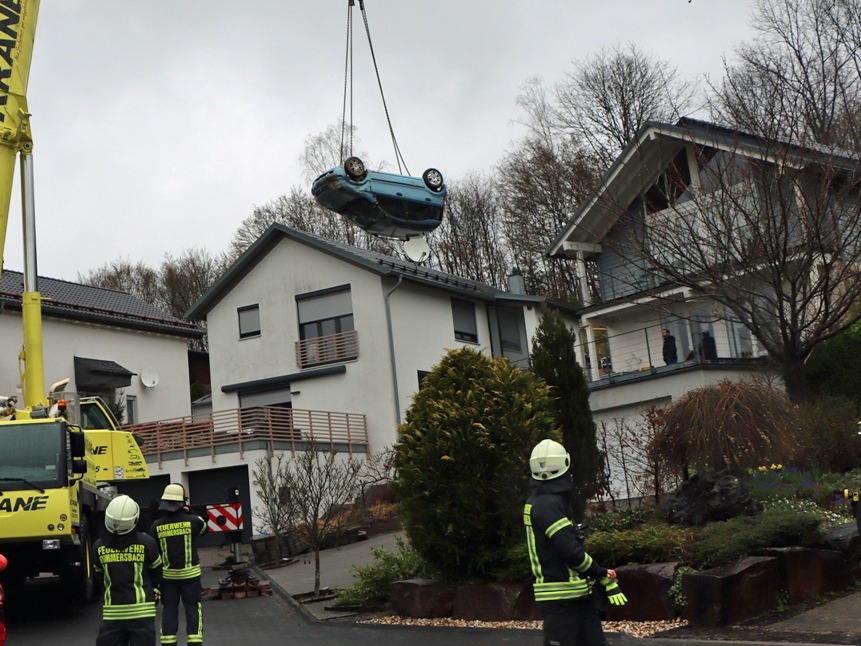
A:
633	628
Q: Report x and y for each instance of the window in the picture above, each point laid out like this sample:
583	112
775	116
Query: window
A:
511	330
508	334
671	187
249	321
465	328
325	313
131	409
421	375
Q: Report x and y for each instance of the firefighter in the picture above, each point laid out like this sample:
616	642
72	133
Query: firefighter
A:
562	569
131	564
3	564
176	533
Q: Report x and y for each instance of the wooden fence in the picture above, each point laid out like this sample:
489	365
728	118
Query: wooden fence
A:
241	429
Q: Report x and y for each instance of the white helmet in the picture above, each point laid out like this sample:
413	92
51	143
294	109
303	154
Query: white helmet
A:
173	498
549	460
122	515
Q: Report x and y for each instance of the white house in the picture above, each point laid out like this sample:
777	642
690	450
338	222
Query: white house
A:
310	337
108	343
666	177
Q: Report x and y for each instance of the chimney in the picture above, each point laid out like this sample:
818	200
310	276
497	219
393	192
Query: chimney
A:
516	284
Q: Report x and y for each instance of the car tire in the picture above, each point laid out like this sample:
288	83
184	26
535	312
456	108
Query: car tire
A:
354	167
433	179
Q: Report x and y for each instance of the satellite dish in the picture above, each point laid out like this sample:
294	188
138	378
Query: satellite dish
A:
417	249
149	377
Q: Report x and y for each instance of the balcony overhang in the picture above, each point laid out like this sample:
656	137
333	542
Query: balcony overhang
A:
570	248
282	380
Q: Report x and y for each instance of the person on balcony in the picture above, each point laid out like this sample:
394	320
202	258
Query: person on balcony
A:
671	353
708	348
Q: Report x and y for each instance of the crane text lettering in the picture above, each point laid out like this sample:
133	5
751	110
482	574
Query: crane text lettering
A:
33	503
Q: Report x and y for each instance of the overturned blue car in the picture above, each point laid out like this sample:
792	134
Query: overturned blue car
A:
383	204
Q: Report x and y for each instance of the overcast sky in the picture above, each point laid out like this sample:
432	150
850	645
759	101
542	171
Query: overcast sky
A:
159	125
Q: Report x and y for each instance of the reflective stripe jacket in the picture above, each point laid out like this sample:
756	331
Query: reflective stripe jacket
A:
131	565
176	533
560	565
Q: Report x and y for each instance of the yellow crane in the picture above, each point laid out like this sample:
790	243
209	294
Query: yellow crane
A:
54	474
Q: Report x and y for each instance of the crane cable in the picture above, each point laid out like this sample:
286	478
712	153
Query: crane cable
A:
348	71
348	77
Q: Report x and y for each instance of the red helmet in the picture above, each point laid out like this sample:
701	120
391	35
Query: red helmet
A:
3	562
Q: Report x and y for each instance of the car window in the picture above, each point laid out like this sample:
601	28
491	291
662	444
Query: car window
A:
409	210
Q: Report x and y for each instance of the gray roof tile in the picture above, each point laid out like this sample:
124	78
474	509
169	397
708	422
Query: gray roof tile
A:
73	301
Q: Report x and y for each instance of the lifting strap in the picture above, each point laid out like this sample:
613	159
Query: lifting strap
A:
347	147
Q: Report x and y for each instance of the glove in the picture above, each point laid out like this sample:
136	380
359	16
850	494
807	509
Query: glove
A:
614	592
157	592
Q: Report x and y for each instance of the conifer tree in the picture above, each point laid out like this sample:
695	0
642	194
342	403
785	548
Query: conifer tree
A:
553	359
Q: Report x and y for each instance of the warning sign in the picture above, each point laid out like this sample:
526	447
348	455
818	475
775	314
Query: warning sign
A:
224	517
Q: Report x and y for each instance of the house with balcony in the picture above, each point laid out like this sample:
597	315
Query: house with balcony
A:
695	201
312	339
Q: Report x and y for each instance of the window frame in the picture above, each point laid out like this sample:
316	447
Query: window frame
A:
316	328
248	333
463	335
131	409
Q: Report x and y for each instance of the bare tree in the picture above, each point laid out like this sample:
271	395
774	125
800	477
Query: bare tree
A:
270	478
800	77
312	491
609	95
613	439
634	458
329	148
122	275
469	242
299	210
377	469
184	279
573	135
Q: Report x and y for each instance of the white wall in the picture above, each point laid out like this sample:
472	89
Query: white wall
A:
366	385
422	331
132	349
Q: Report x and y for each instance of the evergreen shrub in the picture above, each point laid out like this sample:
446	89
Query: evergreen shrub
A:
373	581
647	543
728	541
462	462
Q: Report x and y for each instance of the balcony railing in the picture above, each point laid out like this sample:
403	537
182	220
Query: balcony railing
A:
333	348
241	429
613	357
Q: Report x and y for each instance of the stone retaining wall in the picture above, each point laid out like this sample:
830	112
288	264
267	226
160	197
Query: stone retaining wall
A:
720	596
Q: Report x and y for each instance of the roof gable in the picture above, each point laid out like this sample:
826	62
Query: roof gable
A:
651	151
370	261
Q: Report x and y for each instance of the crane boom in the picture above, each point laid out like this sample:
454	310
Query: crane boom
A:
17	34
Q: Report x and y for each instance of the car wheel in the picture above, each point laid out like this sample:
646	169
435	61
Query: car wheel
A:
433	179
354	167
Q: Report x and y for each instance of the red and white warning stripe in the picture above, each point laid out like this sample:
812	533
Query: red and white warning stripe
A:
224	517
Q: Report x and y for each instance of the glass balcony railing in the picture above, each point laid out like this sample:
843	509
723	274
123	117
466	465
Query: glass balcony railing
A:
611	357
